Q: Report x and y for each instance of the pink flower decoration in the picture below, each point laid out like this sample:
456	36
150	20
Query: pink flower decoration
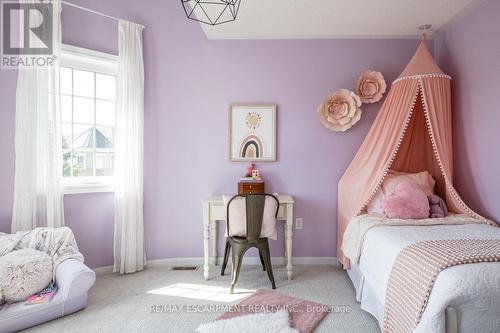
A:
340	111
371	86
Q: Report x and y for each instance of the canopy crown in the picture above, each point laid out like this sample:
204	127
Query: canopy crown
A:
422	62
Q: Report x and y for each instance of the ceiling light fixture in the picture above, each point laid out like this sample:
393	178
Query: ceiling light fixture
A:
425	27
212	12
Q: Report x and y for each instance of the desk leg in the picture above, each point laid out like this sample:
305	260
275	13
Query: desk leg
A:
286	243
289	239
213	242
206	240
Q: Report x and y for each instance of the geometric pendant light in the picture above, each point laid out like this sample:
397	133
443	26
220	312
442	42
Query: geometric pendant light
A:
213	12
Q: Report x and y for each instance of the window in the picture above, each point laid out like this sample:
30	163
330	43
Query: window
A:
88	102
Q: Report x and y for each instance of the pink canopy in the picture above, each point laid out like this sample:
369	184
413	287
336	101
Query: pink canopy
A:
412	133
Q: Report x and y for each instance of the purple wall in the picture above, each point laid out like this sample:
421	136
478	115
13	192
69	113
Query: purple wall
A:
190	82
469	51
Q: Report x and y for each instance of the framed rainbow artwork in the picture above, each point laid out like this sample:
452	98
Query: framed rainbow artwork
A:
252	132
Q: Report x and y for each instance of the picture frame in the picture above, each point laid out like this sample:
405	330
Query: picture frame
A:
252	132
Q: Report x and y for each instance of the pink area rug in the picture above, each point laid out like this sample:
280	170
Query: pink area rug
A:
304	315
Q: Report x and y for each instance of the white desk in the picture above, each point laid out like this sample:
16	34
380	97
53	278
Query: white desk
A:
214	210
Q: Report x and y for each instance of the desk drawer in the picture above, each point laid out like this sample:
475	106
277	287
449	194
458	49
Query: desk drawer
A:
281	213
218	213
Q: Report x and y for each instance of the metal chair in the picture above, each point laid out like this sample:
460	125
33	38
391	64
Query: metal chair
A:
239	245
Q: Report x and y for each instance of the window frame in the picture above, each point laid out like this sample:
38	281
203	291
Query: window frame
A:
102	63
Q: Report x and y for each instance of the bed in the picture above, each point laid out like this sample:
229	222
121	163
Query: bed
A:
410	135
465	298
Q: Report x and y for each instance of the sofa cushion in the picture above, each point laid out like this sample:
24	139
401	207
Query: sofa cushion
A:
23	273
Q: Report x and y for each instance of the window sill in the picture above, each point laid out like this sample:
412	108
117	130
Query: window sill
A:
87	188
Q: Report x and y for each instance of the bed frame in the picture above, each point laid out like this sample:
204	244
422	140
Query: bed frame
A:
450	314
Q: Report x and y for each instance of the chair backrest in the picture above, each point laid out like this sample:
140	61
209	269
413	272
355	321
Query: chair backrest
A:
255	204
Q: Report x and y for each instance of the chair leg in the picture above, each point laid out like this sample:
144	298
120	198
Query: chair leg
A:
262	261
237	256
267	260
226	257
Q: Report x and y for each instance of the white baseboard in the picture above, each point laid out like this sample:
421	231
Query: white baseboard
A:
198	261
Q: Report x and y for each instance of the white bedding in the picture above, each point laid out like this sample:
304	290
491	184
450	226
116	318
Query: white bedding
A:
473	290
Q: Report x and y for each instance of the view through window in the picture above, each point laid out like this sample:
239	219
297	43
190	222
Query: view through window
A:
88	122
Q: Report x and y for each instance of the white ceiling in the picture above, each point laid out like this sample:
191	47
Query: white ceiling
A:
337	18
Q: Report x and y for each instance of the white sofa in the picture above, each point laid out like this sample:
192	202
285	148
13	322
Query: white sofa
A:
73	278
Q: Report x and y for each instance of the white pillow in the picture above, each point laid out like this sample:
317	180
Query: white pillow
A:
238	217
375	204
24	273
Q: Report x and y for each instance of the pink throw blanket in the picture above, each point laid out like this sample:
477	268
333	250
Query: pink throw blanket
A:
415	270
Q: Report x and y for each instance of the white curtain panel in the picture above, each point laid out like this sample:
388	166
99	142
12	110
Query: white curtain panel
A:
129	251
38	193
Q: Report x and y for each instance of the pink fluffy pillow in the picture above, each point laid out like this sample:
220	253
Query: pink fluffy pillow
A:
408	201
423	179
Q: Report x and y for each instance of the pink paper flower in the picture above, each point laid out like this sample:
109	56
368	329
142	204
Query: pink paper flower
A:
340	111
371	86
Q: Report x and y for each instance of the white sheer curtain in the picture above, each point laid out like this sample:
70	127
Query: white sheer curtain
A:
38	195
129	249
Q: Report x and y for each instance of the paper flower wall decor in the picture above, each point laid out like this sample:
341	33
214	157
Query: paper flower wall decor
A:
371	86
340	111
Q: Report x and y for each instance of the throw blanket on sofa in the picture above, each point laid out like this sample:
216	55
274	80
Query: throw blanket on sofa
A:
356	230
59	243
415	270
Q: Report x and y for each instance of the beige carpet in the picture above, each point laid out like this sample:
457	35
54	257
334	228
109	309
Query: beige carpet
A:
124	303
